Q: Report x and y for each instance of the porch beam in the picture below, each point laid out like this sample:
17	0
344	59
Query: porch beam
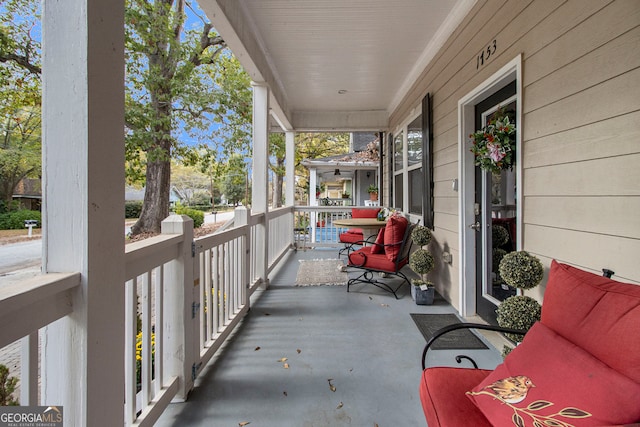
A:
83	188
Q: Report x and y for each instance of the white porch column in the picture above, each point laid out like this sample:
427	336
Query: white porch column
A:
260	175
83	188
290	168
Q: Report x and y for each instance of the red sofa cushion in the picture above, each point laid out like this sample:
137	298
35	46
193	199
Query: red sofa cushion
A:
364	213
547	377
378	246
442	393
393	235
598	314
364	258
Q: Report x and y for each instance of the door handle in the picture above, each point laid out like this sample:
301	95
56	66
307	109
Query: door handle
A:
475	226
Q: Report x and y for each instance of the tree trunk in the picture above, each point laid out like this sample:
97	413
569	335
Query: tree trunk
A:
156	198
277	185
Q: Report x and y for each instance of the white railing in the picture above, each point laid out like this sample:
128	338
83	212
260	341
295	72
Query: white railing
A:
26	306
183	297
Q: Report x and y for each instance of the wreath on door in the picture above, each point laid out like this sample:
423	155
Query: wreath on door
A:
494	146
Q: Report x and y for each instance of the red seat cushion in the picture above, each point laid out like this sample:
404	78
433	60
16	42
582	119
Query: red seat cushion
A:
378	246
393	235
442	393
379	262
596	313
552	381
364	213
348	237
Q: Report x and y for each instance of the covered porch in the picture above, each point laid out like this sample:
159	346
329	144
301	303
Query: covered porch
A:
423	62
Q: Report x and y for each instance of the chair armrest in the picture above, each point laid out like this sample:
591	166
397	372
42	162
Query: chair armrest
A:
457	326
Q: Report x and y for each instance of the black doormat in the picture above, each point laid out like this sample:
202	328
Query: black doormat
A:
461	339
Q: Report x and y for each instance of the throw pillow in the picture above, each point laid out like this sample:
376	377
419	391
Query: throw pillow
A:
378	246
547	380
393	235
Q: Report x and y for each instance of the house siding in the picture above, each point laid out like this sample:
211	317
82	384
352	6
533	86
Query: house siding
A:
580	128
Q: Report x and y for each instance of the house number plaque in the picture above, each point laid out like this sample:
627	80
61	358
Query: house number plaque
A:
485	54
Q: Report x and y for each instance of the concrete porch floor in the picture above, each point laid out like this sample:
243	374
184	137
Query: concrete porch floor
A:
363	343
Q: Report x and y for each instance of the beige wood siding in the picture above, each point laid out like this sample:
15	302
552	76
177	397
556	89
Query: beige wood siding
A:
580	127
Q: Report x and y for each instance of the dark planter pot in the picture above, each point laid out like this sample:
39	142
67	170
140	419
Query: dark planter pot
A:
424	297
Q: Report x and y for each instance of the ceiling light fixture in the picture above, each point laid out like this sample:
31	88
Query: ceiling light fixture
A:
336	172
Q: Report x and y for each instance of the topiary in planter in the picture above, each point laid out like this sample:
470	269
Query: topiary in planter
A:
518	312
421	235
499	236
521	270
421	261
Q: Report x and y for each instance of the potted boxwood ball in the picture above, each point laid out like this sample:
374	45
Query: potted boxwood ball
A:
518	312
422	262
521	270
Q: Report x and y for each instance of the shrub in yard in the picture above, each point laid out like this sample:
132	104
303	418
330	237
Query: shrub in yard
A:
15	220
132	209
7	387
195	215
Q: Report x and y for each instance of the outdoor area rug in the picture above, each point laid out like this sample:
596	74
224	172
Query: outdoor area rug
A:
318	272
460	339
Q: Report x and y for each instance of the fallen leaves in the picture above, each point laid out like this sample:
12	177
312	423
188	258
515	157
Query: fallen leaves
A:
285	393
299	351
331	386
284	359
340	405
243	423
257	348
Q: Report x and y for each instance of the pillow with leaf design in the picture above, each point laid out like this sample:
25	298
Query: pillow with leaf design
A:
549	381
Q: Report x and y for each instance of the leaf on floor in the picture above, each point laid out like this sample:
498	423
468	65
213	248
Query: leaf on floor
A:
285	366
244	423
284	359
340	405
267	314
331	386
371	298
257	348
299	351
384	305
285	393
375	425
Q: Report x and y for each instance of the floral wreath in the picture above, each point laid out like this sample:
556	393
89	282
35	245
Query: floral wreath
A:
494	145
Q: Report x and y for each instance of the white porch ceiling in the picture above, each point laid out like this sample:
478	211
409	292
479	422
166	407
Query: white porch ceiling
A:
307	51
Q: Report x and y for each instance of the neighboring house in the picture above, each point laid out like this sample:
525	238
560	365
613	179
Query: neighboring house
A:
132	194
345	178
28	193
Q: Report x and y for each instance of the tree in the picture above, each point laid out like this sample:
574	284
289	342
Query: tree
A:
234	181
317	145
277	149
20	116
175	86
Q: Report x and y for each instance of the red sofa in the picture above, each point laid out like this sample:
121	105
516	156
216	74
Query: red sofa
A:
578	366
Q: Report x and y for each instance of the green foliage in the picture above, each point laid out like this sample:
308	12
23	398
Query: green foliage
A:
421	261
418	283
372	189
521	270
15	220
234	182
499	236
196	215
7	387
132	208
518	312
421	235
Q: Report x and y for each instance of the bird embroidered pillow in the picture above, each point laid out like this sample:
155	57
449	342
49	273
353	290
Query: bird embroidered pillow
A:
548	381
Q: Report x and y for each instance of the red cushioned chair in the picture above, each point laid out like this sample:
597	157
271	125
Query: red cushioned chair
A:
581	363
388	257
354	235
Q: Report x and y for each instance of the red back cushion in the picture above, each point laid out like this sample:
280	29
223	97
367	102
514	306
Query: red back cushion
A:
393	235
364	213
598	314
378	247
556	383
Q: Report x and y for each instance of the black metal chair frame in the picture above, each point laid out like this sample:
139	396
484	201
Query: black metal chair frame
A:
456	326
367	275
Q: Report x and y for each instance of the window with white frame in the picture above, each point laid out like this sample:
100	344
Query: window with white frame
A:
408	180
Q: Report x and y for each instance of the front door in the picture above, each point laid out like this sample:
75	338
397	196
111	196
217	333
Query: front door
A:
495	212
